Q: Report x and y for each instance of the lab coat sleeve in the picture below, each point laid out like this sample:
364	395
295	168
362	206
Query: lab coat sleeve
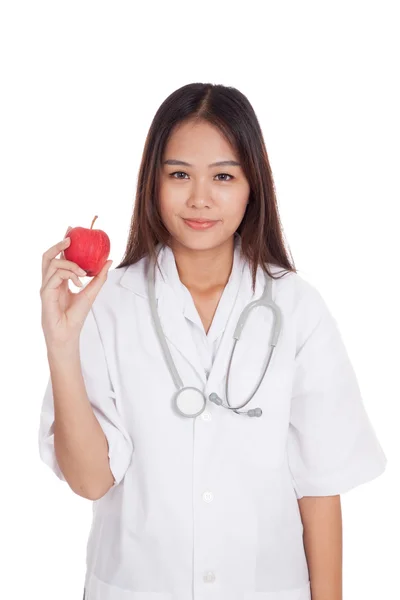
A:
103	401
332	446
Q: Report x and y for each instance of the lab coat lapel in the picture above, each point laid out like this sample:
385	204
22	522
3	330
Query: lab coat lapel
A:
173	321
217	377
177	332
175	326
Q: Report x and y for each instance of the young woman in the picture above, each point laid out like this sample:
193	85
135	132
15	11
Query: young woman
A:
214	475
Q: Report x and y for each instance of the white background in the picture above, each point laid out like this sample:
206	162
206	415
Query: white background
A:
80	83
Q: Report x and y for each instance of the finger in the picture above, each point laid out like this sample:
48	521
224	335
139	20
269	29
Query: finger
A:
58	263
52	252
57	279
65	235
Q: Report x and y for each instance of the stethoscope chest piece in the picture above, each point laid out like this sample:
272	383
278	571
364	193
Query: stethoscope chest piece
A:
189	401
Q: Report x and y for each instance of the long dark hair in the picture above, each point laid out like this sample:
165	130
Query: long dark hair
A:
230	111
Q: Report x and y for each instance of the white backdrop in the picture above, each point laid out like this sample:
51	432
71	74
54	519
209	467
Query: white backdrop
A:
81	82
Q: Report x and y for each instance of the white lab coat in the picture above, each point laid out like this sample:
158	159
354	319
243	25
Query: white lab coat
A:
206	508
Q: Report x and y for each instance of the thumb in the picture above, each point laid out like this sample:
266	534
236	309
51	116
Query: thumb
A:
94	286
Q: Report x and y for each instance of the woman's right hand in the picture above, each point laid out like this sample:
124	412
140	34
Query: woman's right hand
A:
64	312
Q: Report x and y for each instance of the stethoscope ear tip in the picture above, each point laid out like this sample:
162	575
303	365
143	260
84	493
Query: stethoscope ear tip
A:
254	412
213	397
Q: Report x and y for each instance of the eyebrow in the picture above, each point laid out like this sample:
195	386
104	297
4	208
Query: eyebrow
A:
221	163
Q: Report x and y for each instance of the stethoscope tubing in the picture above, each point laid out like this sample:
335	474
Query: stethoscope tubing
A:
265	300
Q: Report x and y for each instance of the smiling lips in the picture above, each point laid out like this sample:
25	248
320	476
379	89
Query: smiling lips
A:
199	223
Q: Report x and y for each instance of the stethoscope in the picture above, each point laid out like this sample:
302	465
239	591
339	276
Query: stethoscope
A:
191	401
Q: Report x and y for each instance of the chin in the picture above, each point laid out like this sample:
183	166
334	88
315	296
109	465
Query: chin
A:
199	240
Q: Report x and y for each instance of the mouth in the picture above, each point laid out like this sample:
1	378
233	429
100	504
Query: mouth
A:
201	220
200	223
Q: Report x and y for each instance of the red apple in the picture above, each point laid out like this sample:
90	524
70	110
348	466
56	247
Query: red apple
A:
89	248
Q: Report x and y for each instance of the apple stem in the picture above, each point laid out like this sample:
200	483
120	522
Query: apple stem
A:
91	227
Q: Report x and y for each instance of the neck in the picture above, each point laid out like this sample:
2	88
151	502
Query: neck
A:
204	270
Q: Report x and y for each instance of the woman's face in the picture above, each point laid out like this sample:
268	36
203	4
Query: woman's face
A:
198	190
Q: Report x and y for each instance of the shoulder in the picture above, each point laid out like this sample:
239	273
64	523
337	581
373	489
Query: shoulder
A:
303	305
295	290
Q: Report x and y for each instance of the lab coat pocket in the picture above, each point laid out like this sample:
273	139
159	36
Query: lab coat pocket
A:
100	590
299	593
262	440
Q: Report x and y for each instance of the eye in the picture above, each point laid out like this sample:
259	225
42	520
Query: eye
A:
226	174
182	172
175	172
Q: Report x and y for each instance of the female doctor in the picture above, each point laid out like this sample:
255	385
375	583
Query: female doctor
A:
200	393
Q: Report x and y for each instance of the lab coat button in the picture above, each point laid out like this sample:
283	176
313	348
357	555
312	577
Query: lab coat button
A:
208	496
205	415
209	577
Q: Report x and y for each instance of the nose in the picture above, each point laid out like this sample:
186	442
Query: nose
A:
200	196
